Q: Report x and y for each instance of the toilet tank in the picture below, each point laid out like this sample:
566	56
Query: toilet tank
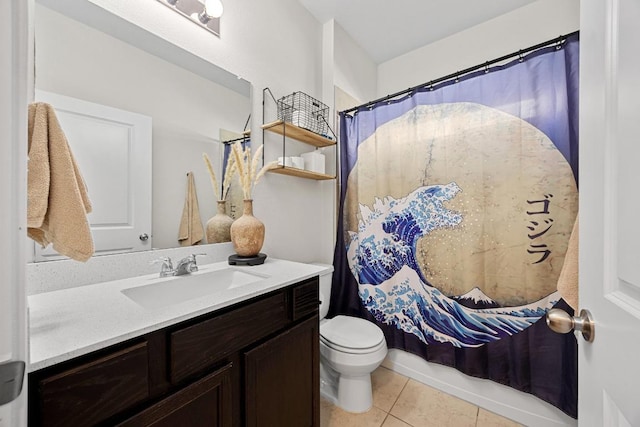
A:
325	288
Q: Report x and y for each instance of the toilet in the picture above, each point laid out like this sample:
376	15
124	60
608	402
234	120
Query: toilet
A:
350	349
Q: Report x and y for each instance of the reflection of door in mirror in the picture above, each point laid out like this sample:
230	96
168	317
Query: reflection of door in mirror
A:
188	99
112	149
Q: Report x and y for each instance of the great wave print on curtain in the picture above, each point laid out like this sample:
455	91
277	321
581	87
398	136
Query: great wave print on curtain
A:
457	204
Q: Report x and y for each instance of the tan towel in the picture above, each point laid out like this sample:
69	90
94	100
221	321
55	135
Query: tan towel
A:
57	200
568	280
191	231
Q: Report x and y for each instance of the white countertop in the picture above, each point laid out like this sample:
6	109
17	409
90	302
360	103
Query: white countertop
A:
72	322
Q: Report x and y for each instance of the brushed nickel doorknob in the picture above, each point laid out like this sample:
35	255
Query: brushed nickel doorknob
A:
144	237
562	322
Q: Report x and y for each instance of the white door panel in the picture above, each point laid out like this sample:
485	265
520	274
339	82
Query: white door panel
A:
112	148
15	80
609	207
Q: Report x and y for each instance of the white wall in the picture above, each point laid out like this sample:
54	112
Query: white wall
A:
527	26
187	110
355	72
532	24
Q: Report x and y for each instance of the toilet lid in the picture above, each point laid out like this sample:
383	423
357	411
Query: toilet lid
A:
351	333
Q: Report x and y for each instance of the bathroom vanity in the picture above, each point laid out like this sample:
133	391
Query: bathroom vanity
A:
254	361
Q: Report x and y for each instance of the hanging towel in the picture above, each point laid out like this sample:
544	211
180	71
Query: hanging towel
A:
57	200
568	280
191	231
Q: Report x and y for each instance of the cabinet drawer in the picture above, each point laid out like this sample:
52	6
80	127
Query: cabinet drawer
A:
305	298
198	347
94	391
205	403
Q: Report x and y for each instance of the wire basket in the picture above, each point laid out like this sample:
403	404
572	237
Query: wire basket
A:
304	111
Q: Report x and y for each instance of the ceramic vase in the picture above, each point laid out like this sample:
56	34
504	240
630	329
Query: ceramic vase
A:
247	232
219	225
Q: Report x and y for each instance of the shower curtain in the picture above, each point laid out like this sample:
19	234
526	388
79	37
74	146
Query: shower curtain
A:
456	207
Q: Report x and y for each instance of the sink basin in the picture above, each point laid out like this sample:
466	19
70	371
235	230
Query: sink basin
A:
167	291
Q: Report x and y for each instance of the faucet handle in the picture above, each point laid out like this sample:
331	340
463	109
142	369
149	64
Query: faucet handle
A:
165	260
192	258
167	265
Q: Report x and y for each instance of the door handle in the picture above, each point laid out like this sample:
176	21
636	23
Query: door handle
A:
144	237
562	322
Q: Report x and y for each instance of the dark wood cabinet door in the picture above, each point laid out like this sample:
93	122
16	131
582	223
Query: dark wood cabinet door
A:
205	403
282	379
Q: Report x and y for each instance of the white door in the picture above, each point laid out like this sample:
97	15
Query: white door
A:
15	37
112	148
609	368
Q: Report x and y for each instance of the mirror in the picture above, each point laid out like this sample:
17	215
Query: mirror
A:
188	100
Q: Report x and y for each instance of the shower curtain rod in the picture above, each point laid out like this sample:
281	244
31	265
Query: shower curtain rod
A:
559	41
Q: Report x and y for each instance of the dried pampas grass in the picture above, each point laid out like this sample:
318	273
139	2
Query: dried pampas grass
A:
226	180
212	175
228	176
247	167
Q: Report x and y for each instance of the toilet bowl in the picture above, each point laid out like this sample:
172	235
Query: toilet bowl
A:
350	349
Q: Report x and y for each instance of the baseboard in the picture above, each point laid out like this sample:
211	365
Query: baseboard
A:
508	402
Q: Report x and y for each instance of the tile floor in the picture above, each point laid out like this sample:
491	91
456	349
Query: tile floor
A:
402	402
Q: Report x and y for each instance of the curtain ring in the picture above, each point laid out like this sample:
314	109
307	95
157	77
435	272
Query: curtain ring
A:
520	56
431	86
559	43
486	67
457	77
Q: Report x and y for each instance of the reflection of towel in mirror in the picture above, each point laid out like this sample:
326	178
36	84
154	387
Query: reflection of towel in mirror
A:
568	280
191	231
57	200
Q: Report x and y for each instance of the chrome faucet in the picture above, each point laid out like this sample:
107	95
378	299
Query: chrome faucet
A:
187	265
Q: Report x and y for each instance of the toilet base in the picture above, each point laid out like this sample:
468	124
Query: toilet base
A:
350	393
354	393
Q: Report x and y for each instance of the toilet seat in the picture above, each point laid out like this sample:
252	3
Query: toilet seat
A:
351	335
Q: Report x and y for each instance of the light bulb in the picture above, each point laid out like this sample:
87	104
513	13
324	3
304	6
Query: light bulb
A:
213	8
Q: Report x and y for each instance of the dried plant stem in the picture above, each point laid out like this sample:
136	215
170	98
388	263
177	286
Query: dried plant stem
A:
247	167
264	170
238	153
212	175
254	163
228	176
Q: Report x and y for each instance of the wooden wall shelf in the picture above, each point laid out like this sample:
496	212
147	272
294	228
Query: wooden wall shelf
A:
301	173
301	134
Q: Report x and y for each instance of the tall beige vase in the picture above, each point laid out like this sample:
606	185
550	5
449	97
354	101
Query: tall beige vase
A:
219	225
247	232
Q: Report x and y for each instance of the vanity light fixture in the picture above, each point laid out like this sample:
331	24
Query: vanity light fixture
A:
212	9
205	13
